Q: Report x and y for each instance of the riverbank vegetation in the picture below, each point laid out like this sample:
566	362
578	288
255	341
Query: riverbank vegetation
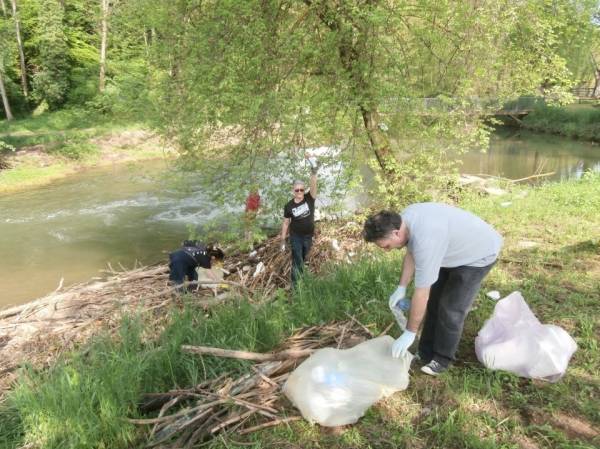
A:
575	121
40	165
37	150
551	255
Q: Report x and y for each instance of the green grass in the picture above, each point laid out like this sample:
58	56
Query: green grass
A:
60	127
52	121
577	121
70	158
30	176
66	145
82	400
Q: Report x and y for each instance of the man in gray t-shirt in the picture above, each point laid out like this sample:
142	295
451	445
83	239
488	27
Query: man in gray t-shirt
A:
449	252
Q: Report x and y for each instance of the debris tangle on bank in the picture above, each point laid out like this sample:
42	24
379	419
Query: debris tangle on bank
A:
38	331
244	404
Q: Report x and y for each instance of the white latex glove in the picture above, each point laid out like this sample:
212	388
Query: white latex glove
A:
314	164
402	344
397	296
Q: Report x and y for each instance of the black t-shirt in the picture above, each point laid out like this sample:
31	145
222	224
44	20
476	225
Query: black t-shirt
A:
302	215
198	254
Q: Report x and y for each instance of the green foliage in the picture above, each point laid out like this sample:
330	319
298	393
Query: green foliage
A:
577	121
126	94
226	232
6	147
50	81
278	78
236	83
576	40
84	86
61	45
75	149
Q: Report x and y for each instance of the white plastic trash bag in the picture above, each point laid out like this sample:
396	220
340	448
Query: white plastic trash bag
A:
334	387
514	340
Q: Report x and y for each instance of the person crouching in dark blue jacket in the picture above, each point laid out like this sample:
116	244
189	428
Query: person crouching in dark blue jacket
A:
193	254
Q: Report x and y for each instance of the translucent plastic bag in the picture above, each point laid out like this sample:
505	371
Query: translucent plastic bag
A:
514	340
334	387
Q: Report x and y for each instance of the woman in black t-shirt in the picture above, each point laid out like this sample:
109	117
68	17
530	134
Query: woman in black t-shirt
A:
299	220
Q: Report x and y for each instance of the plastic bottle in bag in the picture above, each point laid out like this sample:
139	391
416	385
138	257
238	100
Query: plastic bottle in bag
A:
399	315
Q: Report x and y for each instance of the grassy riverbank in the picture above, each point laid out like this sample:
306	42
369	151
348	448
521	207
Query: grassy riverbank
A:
552	255
579	121
41	149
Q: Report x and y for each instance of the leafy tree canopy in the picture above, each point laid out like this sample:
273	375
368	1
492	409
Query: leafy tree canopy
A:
282	75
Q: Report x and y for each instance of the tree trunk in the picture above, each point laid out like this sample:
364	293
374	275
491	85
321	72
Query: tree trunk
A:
20	45
352	50
377	138
5	102
379	141
103	40
596	92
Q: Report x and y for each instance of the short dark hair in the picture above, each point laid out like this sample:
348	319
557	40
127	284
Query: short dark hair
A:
216	252
378	226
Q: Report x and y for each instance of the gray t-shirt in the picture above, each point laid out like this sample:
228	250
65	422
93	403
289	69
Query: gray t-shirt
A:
440	235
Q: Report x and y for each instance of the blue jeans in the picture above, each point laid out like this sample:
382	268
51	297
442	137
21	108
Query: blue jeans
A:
300	247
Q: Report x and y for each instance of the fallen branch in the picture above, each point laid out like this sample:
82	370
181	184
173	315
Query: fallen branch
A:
363	327
270	424
533	176
192	283
246	355
387	329
535	262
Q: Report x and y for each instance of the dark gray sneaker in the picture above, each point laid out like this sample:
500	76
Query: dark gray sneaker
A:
433	368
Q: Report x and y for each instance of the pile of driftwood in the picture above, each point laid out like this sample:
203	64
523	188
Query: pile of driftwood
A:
38	331
246	404
268	267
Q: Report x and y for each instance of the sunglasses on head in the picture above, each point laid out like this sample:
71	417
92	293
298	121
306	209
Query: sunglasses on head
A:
298	190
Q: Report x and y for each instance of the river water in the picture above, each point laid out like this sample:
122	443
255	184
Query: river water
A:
73	228
517	154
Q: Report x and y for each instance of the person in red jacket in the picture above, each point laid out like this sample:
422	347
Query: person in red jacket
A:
252	206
